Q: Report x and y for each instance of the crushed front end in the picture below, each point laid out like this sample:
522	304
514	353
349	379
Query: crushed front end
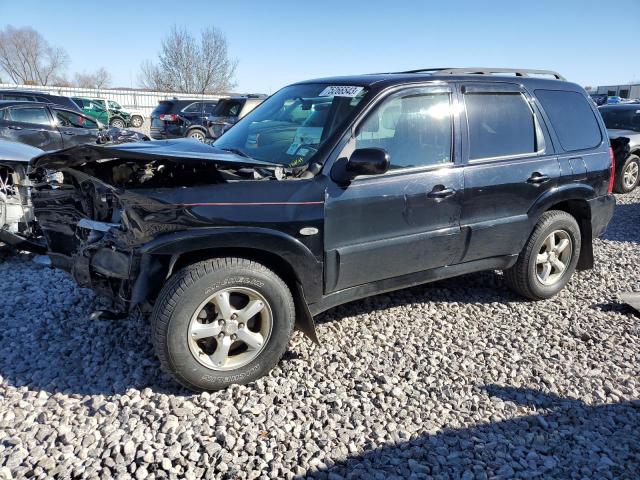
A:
106	202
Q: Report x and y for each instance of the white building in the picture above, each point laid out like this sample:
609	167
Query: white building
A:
624	91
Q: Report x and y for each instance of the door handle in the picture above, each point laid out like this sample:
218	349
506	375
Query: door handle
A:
537	178
67	133
15	127
439	192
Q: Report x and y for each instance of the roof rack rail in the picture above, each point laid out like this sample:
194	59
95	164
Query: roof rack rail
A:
519	72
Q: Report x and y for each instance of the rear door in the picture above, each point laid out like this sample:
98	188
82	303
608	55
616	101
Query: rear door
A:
510	163
75	128
31	125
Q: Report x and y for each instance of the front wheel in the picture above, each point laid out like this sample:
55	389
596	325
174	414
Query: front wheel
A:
197	135
549	257
117	123
222	321
137	121
629	176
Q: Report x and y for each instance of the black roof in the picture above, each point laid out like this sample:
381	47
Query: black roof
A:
9	103
382	80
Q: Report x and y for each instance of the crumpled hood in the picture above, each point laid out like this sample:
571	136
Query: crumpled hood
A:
180	150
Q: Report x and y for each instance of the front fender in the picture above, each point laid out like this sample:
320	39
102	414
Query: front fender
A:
299	258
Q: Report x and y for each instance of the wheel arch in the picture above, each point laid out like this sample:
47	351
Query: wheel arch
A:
284	255
195	127
574	201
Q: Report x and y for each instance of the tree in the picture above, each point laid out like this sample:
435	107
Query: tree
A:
101	78
188	66
27	58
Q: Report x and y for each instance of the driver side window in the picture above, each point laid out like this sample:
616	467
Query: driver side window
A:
414	128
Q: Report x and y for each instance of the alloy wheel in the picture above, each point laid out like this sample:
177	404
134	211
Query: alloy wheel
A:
630	175
230	328
554	257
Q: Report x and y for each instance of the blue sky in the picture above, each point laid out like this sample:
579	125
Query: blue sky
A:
279	42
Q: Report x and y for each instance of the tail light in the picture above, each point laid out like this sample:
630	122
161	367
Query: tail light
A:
168	117
613	170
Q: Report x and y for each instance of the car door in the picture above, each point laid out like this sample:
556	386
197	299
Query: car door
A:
510	163
406	220
31	125
75	128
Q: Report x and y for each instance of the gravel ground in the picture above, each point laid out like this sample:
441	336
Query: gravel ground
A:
458	379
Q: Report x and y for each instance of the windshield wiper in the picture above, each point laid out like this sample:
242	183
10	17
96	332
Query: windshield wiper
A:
237	151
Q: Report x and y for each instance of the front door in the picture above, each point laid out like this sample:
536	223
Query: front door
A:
408	219
75	128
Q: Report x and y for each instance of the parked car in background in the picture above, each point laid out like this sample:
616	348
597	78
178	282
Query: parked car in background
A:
599	98
96	108
51	127
228	112
390	185
136	117
35	96
181	118
613	100
623	122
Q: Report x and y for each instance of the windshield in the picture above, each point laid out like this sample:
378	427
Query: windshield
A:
621	118
290	126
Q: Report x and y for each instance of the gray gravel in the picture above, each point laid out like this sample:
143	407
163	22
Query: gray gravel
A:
458	379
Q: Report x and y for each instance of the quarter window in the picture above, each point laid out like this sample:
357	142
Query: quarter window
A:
500	125
414	129
37	116
572	118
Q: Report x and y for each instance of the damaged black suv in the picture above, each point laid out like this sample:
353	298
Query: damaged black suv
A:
330	191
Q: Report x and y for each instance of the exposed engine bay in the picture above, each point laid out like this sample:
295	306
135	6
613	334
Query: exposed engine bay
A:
105	203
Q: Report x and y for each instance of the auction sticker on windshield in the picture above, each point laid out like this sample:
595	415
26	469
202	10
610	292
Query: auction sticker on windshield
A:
341	91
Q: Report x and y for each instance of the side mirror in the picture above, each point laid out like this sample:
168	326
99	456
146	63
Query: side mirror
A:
368	161
363	161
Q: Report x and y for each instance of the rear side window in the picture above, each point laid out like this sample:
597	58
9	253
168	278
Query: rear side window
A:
35	115
572	119
194	108
163	107
500	125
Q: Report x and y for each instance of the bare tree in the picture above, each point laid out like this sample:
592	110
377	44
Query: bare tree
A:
99	79
26	57
186	65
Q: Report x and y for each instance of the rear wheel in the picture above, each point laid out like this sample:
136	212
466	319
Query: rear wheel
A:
549	257
222	321
629	176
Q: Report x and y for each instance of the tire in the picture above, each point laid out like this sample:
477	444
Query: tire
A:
137	121
526	276
196	134
629	176
199	288
117	123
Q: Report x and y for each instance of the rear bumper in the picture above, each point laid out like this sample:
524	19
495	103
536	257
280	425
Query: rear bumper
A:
601	213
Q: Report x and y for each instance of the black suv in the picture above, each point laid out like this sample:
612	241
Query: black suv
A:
333	190
35	96
181	118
